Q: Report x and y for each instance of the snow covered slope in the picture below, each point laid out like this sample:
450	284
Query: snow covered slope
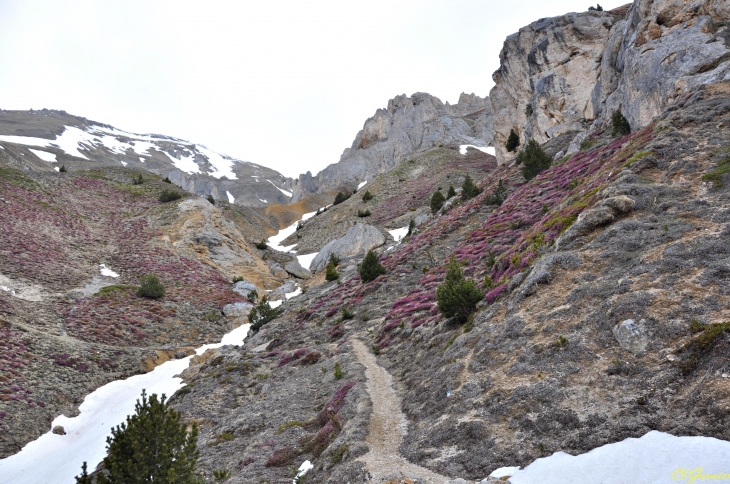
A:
57	138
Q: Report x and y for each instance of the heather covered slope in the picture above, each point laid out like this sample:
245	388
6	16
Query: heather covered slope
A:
70	324
603	322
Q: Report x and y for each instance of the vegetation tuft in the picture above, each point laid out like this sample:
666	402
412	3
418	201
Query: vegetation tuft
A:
437	201
619	124
367	196
150	287
370	268
469	189
533	160
261	314
513	141
341	197
168	195
457	297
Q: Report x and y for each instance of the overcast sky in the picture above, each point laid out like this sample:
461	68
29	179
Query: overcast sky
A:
286	84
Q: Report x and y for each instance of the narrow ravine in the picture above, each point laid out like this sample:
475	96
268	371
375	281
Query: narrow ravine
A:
57	459
388	426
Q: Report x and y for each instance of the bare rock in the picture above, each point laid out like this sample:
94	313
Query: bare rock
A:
295	269
359	239
631	335
237	310
59	430
244	288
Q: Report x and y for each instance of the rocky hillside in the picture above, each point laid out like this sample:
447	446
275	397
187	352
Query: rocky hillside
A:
567	75
43	140
408	125
602	319
72	249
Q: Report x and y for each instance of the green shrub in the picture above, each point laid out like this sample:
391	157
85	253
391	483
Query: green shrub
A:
211	199
338	371
253	296
331	273
533	160
262	245
151	287
138	180
367	196
221	475
238	279
288	425
437	201
152	446
469	189
619	124
451	192
715	175
261	314
370	268
167	180
498	196
528	110
562	341
341	197
457	297
363	213
169	195
597	8
513	141
346	314
411	227
62	169
334	259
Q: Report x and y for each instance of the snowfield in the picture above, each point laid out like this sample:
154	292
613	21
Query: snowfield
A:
484	149
57	459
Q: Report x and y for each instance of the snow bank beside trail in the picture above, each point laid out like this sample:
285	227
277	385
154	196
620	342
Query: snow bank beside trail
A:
57	458
230	197
44	155
654	458
484	149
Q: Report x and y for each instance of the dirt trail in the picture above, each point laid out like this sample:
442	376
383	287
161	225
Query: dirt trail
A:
388	426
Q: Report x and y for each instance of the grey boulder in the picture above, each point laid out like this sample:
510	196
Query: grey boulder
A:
631	335
359	239
296	270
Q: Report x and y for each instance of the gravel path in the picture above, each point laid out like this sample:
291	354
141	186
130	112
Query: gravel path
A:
388	426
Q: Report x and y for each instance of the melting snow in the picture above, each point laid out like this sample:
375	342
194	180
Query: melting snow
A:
44	155
484	149
223	166
105	271
141	159
398	234
306	259
288	194
185	163
654	458
58	458
303	469
275	240
290	295
124	163
309	215
230	197
362	184
56	168
275	304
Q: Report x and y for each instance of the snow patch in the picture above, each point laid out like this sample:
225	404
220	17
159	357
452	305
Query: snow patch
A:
105	271
58	458
185	163
223	166
303	469
290	295
56	168
484	149
309	215
362	184
654	458
275	304
398	234
230	197
124	163
275	240
44	155
306	259
288	194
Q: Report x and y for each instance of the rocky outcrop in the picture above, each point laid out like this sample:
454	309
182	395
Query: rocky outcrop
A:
569	74
408	125
359	239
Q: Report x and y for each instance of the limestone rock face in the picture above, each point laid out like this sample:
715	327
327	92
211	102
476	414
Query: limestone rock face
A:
544	85
571	73
359	239
407	125
296	270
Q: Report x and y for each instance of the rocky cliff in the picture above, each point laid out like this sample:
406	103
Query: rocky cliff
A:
562	75
48	139
406	126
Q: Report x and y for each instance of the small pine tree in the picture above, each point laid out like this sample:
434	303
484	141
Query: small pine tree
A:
152	446
138	180
63	169
499	195
367	196
167	180
533	159
513	141
341	197
619	124
331	273
411	227
451	192
262	245
469	189
437	201
370	267
261	314
334	259
211	199
151	287
457	297
364	213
